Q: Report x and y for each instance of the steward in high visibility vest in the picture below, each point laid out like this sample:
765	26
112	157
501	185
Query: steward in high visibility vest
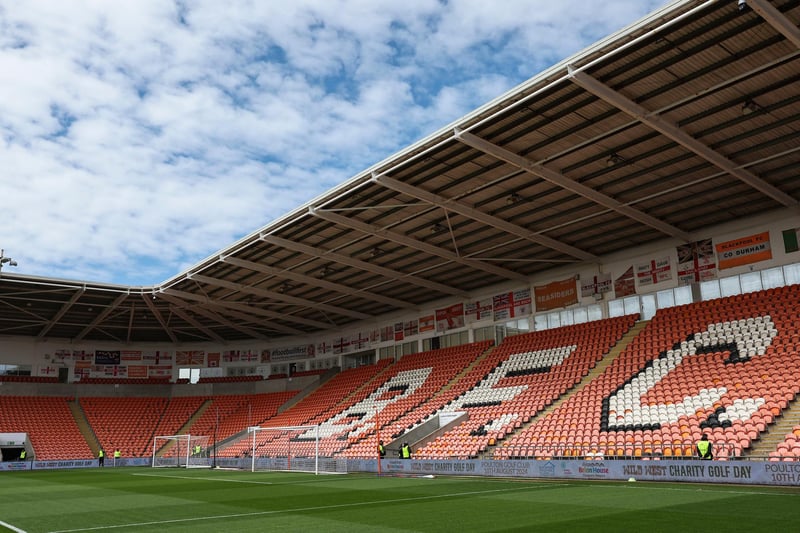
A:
406	451
381	449
101	457
704	448
117	454
22	455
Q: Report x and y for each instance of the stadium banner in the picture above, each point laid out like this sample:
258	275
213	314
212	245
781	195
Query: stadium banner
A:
387	333
323	348
159	371
511	304
60	356
109	371
427	323
411	328
598	284
684	470
75	463
190	357
654	271
399	333
155	357
107	357
696	262
290	353
625	285
359	340
137	371
46	371
341	345
82	355
478	310
230	356
556	294
248	355
131	355
212	359
451	317
745	250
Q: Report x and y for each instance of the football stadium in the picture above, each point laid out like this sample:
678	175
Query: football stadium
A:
577	308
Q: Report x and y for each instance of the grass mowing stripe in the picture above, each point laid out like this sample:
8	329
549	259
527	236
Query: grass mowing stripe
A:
214	479
12	528
303	509
699	488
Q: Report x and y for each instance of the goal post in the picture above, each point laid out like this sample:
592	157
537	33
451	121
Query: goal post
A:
291	449
185	451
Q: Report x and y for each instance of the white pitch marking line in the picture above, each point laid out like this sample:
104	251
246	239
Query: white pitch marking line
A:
12	528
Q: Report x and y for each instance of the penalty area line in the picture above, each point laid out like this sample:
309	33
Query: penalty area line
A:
296	509
12	528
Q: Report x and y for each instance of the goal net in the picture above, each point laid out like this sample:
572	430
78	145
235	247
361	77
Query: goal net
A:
187	451
292	449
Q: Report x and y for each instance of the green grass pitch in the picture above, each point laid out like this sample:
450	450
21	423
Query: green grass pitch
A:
146	499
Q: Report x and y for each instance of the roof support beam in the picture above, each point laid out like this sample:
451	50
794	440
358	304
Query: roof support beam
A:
102	316
184	315
776	19
415	244
61	312
658	123
156	313
302	278
490	220
559	179
238	287
363	265
180	304
252	310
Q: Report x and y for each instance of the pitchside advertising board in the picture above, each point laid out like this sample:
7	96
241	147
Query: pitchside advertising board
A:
735	472
689	470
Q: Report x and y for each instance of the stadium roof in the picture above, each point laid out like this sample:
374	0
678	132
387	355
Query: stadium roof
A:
688	119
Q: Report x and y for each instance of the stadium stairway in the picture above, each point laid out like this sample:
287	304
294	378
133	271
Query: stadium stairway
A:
775	433
195	416
311	387
185	427
83	426
601	366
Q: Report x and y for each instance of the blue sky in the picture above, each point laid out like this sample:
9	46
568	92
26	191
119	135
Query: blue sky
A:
138	138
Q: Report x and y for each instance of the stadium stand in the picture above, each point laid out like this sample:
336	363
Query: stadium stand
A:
528	372
726	367
49	424
125	424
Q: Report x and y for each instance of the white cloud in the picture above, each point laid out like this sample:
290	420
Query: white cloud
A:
137	138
